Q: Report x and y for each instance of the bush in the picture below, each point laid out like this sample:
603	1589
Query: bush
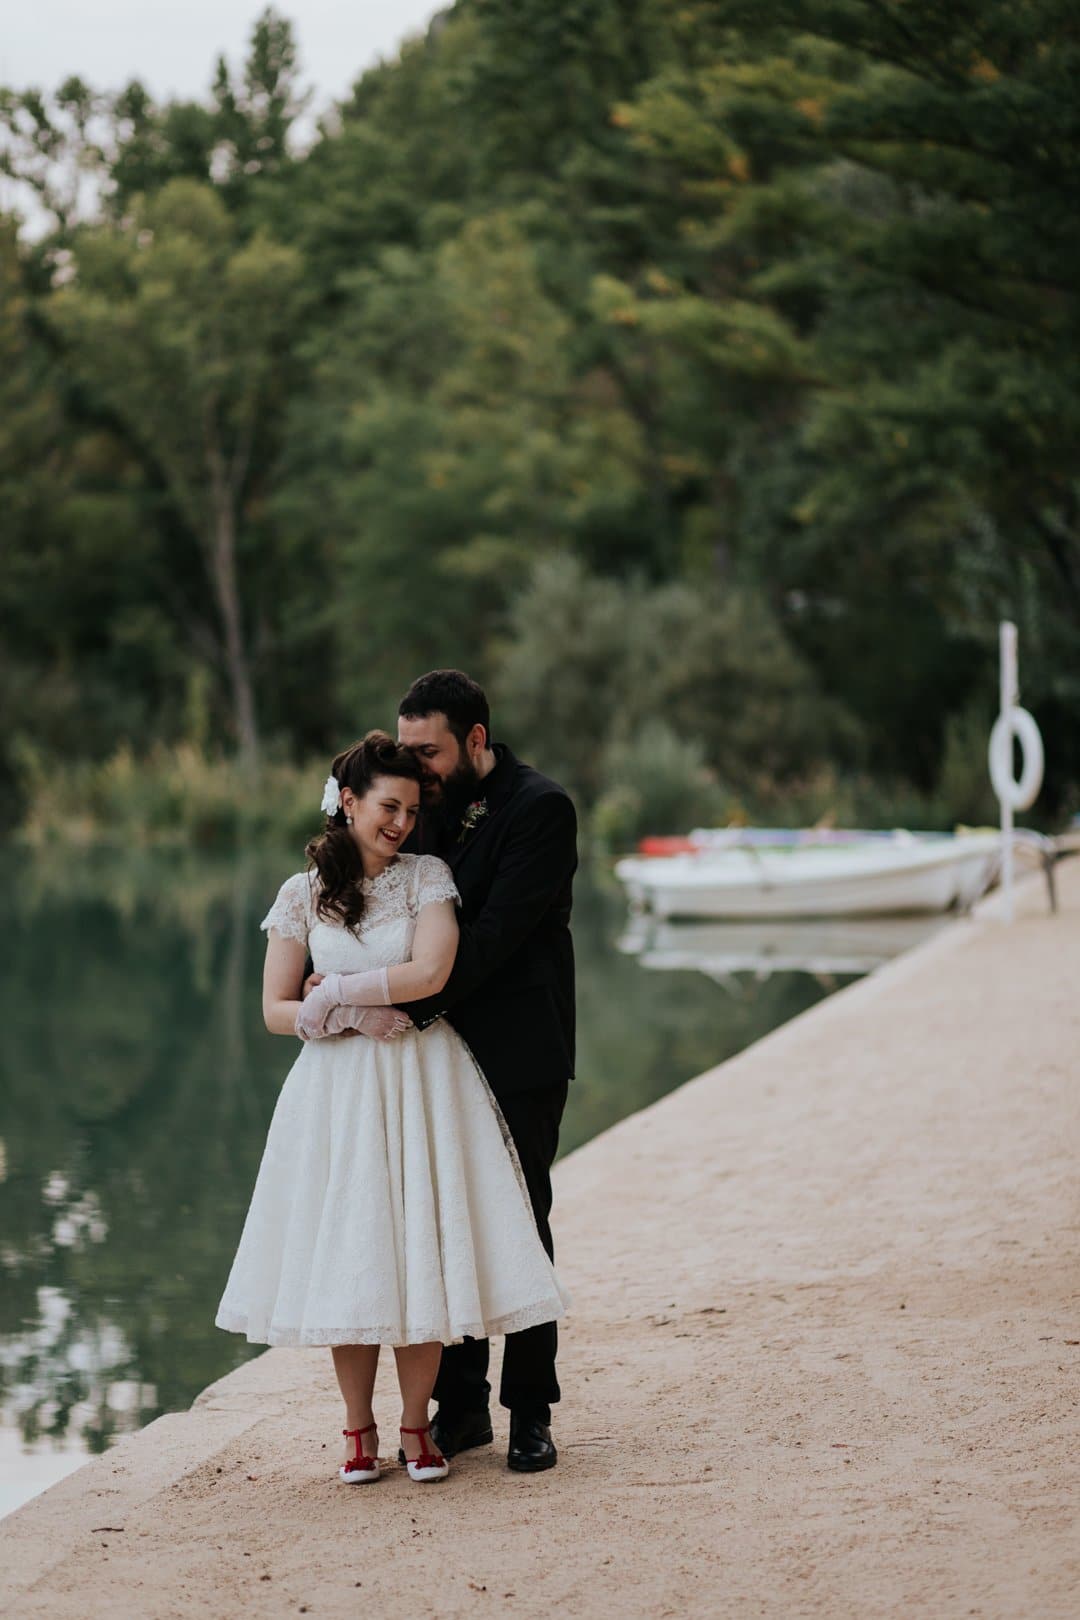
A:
657	783
593	661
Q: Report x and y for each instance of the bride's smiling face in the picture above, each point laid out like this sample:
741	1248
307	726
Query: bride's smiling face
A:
384	817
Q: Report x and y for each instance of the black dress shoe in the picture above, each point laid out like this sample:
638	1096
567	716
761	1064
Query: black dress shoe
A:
454	1434
531	1446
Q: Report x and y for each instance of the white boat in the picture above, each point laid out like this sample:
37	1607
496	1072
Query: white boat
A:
904	872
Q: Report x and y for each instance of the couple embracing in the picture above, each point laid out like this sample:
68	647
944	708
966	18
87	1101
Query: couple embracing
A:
404	1191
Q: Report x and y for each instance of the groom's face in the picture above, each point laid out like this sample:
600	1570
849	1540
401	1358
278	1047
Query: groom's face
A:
448	770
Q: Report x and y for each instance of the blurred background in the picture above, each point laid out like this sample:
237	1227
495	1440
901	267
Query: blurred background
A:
701	377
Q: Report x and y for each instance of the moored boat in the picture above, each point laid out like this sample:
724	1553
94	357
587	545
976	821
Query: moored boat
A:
864	875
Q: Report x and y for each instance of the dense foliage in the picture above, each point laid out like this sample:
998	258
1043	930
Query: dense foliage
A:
699	374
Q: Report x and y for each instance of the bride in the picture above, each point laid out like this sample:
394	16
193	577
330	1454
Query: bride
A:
389	1206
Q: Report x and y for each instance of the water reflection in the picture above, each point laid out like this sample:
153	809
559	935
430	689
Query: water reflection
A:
827	948
136	1088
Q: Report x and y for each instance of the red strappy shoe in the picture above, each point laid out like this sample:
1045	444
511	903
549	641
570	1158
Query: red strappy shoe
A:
359	1470
429	1465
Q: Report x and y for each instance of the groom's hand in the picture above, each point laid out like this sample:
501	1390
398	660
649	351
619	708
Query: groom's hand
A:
378	1023
383	1023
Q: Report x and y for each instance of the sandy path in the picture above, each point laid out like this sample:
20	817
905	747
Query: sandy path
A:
823	1360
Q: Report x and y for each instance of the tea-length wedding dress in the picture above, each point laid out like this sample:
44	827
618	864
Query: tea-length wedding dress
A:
390	1206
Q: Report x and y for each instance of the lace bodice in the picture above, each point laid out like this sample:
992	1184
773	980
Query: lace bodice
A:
392	903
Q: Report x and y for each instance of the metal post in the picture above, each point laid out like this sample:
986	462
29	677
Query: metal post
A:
1010	694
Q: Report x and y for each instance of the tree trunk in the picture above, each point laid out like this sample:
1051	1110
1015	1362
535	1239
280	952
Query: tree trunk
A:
222	558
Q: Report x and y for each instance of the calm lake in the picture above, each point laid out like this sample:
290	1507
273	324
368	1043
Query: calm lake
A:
138	1082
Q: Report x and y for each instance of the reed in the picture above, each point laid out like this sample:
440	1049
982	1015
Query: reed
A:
176	796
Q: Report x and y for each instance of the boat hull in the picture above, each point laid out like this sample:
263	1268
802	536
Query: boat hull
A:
865	881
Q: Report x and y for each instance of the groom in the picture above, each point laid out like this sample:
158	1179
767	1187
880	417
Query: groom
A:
510	837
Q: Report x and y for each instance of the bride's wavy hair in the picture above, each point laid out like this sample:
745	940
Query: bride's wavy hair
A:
333	853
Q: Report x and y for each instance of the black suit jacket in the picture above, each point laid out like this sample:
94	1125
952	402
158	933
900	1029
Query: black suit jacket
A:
511	992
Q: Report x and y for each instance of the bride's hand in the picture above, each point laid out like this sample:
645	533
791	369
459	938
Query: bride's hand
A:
309	984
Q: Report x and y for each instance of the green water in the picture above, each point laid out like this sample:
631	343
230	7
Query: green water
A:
136	1088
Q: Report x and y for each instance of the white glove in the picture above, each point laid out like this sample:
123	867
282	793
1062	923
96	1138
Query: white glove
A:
370	989
378	1023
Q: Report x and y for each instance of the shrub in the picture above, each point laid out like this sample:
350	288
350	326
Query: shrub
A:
593	661
657	783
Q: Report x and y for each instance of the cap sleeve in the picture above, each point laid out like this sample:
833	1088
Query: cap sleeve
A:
291	913
434	881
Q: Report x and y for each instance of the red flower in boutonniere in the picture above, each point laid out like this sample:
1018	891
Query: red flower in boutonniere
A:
475	813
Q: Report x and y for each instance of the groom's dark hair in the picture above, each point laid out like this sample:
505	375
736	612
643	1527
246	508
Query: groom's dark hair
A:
449	692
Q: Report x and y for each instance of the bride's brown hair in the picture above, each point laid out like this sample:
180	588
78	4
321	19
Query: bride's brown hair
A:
333	853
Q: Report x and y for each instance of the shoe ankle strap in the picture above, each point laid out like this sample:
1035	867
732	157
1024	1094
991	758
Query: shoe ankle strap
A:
359	1432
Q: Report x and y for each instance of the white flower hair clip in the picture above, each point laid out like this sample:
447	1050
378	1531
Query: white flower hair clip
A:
331	796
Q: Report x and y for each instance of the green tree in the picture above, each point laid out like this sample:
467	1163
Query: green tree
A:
768	307
451	443
86	153
89	651
182	329
892	185
591	663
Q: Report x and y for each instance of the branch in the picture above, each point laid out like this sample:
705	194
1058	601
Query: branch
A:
241	457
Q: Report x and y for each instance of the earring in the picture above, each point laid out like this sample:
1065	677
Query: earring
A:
348	821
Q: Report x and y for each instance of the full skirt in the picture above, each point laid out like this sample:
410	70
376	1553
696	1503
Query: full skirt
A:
390	1207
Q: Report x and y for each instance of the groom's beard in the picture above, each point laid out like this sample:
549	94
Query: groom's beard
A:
459	789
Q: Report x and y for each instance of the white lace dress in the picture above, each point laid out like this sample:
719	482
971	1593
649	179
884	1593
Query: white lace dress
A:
390	1206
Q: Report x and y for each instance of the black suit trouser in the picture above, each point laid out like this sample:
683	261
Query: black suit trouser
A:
528	1383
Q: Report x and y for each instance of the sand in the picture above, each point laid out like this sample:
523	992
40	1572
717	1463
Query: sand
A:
824	1358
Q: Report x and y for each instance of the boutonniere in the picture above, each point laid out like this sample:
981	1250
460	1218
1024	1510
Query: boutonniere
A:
474	814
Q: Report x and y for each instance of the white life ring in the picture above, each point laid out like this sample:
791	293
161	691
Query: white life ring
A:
1020	724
